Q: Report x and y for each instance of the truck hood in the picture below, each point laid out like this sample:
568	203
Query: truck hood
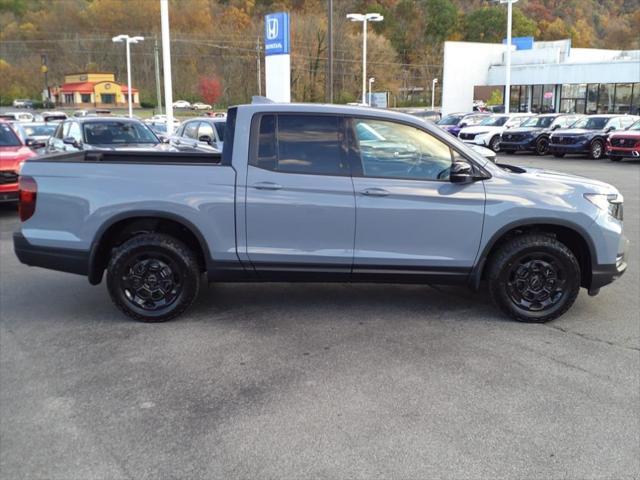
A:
146	147
524	130
544	178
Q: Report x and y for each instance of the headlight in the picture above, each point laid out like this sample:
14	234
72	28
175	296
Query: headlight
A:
610	203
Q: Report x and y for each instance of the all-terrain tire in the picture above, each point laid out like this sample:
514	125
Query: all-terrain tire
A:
153	277
528	266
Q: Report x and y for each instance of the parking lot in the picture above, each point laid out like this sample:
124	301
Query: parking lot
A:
320	380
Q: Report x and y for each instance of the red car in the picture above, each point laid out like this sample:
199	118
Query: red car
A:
12	153
624	144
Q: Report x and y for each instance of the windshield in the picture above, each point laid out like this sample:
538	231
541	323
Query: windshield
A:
450	120
118	132
494	121
635	126
538	122
39	130
220	126
7	137
591	123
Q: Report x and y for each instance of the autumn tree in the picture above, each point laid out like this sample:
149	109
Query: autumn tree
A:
210	89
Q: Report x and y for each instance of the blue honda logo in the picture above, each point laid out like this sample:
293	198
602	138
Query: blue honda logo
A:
276	33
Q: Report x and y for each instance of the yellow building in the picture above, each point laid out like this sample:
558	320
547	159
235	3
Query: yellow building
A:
93	90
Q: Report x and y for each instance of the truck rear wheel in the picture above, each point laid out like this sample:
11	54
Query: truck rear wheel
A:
534	278
153	277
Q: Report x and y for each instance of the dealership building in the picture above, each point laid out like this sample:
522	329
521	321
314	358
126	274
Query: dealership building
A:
545	77
93	89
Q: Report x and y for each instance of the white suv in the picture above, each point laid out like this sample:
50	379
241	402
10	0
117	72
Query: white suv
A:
487	133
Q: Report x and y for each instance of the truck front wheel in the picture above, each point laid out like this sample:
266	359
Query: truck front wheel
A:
534	278
153	277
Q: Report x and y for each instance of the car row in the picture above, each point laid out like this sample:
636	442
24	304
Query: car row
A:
555	133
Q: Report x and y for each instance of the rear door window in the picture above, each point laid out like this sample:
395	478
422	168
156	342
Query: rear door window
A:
304	144
191	130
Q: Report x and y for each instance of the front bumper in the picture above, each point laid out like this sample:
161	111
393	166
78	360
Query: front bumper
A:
602	275
618	152
573	148
528	145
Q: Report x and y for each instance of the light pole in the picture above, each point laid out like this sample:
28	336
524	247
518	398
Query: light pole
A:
433	93
507	86
364	18
128	40
371	81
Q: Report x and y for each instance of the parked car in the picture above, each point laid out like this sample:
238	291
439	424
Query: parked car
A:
205	133
104	133
97	112
624	144
22	103
181	104
320	193
487	132
455	122
35	135
53	116
200	106
13	152
588	135
161	118
533	134
17	116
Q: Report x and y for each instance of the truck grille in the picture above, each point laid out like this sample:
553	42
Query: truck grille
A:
564	140
7	176
468	136
624	142
513	137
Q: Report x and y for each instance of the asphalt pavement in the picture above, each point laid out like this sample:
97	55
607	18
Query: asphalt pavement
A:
293	381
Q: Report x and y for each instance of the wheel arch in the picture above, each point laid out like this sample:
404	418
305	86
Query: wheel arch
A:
572	235
121	227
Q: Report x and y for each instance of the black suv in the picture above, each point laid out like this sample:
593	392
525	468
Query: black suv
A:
533	134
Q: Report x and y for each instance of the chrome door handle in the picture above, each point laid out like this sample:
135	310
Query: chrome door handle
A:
267	186
375	192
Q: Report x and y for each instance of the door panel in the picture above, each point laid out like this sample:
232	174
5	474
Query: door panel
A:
417	223
300	205
408	214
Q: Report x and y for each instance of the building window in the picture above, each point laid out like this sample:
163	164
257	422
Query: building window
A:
635	99
573	98
623	98
85	98
68	98
606	97
592	98
518	101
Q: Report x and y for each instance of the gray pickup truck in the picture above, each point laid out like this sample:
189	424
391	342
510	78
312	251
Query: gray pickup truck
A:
319	193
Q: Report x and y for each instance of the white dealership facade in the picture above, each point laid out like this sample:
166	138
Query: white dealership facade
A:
546	77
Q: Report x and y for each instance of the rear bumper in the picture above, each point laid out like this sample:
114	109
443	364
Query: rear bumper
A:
53	258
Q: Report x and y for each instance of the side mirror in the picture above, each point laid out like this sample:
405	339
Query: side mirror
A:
460	172
205	139
71	141
610	129
163	139
462	125
556	126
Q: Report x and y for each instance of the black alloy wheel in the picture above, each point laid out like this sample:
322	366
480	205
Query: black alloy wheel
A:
494	144
153	277
534	277
542	146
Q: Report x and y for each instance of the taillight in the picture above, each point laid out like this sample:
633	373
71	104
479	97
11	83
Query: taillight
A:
28	191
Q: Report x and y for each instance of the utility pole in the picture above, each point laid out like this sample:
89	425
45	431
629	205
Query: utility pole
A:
158	93
258	65
330	45
166	64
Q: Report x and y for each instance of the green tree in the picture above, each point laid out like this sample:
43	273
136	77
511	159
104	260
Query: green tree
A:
441	20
